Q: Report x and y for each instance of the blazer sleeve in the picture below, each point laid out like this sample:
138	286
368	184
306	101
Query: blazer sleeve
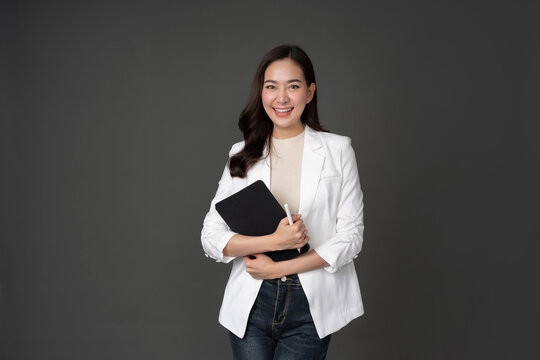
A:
347	242
216	233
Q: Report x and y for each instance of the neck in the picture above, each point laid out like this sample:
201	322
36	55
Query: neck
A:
284	133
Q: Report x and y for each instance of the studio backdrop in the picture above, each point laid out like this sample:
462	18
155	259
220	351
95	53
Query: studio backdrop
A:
116	121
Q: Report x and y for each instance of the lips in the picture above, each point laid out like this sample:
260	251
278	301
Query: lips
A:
282	111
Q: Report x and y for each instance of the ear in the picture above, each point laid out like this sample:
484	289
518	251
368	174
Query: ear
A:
311	92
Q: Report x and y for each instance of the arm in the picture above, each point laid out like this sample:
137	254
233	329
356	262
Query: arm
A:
262	267
215	233
242	245
345	245
285	237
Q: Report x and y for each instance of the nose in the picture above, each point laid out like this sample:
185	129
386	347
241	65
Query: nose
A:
282	96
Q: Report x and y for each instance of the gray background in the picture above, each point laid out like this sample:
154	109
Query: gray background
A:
116	119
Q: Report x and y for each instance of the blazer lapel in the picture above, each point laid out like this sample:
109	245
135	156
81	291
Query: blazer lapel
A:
312	163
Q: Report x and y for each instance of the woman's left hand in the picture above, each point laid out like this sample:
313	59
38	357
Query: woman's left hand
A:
262	267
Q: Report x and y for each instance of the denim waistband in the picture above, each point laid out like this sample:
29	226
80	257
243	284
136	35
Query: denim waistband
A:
286	280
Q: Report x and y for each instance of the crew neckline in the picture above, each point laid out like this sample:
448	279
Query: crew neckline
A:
290	138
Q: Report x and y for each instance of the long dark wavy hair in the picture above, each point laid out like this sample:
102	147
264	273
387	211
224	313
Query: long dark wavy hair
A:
255	123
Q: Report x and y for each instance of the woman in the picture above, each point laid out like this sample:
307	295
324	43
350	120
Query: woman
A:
288	309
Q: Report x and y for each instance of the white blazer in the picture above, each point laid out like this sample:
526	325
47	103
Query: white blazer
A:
332	209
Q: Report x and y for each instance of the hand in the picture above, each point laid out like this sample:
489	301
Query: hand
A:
291	236
262	267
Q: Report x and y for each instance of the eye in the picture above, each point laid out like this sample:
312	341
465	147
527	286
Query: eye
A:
294	86
270	87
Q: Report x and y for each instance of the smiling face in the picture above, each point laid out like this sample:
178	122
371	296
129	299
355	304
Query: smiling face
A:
285	94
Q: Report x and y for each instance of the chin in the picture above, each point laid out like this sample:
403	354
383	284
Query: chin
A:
285	123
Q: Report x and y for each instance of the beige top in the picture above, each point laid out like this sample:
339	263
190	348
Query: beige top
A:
286	170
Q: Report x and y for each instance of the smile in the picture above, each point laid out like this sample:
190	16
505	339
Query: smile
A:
283	110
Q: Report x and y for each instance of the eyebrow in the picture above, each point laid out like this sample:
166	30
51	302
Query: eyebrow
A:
290	81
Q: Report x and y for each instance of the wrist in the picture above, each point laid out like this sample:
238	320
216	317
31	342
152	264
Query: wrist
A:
279	270
272	242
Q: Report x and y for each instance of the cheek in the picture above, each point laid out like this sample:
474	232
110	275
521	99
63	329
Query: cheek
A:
300	99
266	99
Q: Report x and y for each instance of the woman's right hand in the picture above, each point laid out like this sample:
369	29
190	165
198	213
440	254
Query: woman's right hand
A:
291	236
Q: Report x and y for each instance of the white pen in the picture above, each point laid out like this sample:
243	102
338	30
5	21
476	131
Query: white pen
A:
289	216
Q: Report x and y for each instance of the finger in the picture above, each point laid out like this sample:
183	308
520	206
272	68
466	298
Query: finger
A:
282	222
300	231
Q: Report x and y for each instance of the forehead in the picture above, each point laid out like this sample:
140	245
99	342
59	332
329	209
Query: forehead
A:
283	70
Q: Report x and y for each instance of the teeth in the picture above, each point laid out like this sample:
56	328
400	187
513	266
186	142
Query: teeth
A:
283	110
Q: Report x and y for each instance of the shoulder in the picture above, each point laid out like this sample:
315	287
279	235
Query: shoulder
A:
335	141
339	150
236	147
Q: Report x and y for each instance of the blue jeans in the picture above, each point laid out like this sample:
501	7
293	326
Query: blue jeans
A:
280	325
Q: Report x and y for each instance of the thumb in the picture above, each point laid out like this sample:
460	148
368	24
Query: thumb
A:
296	217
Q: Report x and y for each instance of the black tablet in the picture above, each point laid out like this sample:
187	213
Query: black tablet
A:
254	211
